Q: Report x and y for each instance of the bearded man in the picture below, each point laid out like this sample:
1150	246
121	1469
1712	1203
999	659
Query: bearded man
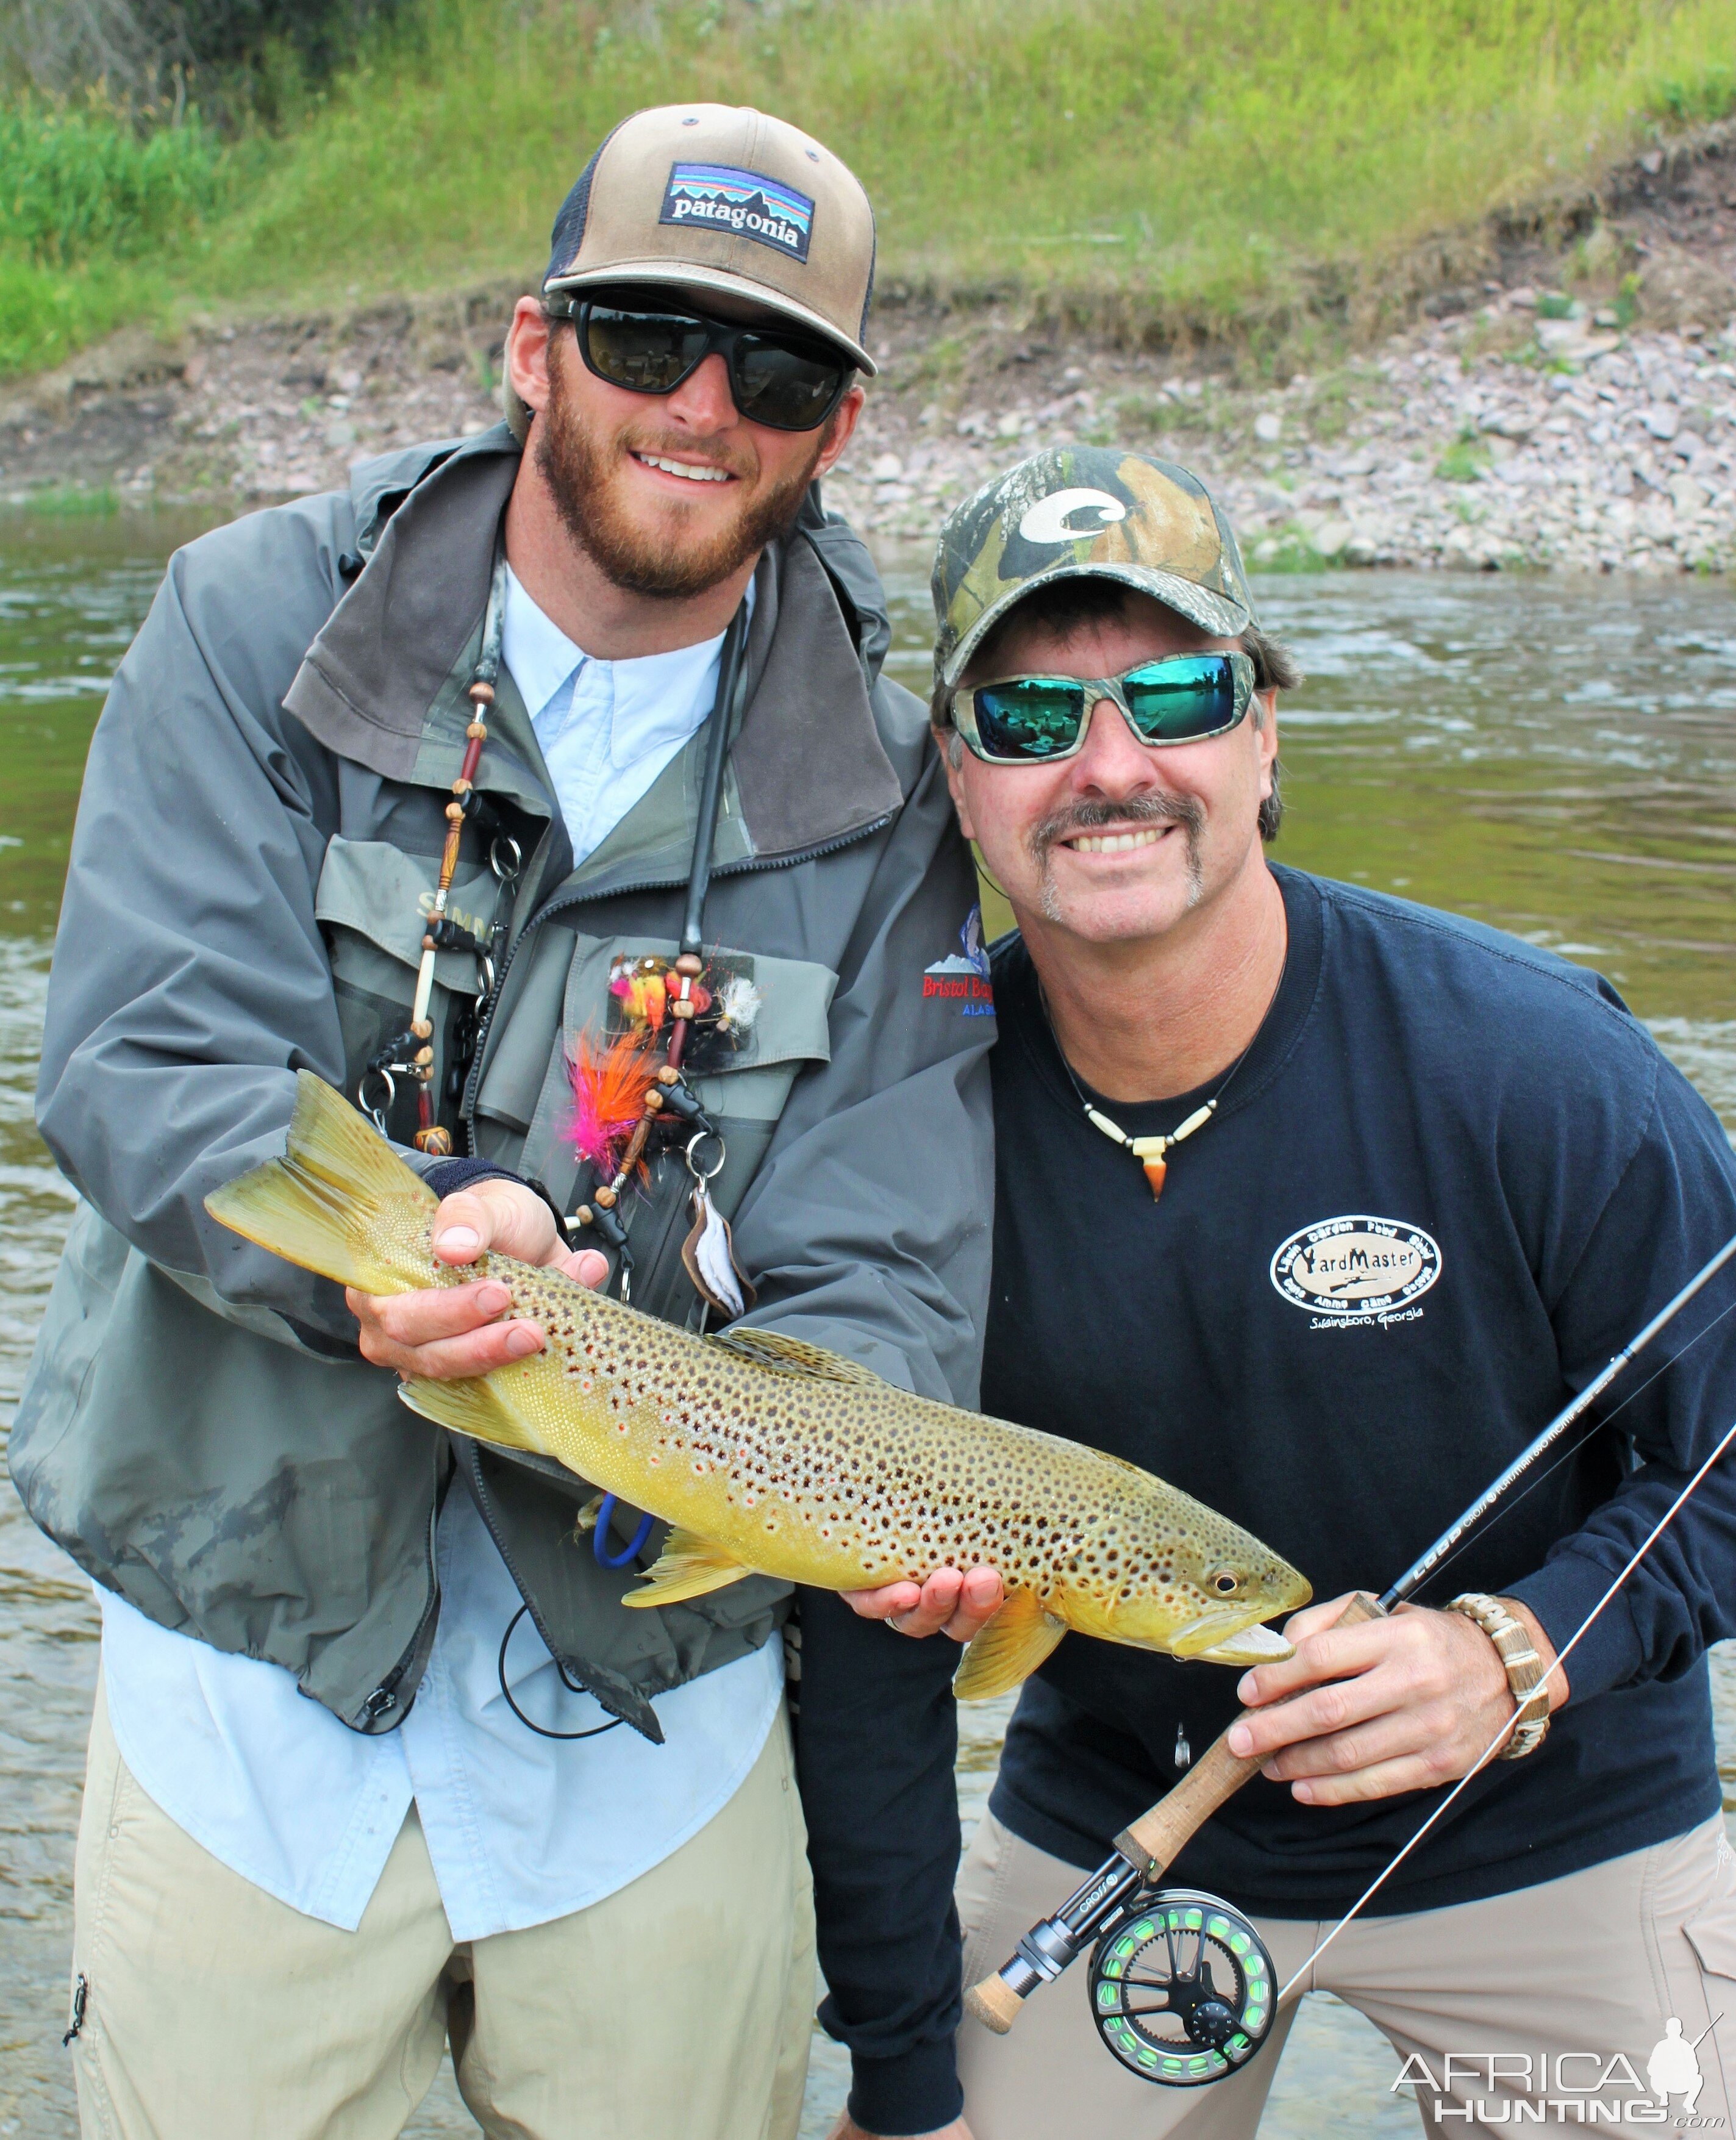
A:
342	1803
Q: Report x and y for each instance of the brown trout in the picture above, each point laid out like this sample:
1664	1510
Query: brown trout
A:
766	1455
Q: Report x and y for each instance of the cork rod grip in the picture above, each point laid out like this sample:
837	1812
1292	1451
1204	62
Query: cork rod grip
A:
1160	1832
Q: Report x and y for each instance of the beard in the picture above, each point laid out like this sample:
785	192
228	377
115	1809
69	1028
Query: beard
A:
1084	817
582	468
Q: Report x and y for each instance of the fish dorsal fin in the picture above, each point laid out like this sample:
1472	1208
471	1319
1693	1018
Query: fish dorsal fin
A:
1126	1463
688	1566
792	1355
472	1407
1009	1649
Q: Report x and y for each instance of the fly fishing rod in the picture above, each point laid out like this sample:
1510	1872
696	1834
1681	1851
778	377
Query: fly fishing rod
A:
1182	1989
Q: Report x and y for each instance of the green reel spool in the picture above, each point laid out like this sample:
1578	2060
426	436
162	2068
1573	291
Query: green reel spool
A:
1182	1989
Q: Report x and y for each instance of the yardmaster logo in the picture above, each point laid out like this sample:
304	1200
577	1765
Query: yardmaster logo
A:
741	203
1357	1268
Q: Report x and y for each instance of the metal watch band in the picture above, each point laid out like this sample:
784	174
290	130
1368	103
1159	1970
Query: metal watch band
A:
1524	1669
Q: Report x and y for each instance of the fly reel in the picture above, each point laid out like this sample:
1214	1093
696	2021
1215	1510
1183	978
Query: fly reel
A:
1182	1989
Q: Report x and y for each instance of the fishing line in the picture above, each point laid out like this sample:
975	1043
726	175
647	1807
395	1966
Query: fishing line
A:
1585	1441
1504	1733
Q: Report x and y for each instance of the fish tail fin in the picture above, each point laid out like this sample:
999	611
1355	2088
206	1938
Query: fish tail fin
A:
1008	1650
319	1204
471	1407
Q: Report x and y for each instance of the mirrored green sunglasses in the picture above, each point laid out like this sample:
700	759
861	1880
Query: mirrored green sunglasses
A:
1024	720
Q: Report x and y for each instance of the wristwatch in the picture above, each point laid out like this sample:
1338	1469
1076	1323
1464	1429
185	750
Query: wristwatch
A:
1524	1668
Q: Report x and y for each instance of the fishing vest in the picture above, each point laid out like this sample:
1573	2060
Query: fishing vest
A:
507	1094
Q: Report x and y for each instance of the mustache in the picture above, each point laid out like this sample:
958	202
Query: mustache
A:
1154	808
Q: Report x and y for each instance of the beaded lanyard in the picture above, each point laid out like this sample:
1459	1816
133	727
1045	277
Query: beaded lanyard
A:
667	1101
410	1054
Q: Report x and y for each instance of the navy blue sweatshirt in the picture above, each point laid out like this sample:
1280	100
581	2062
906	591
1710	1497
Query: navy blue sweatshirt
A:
1451	1181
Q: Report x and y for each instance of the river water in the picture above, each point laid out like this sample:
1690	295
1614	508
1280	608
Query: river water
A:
1558	759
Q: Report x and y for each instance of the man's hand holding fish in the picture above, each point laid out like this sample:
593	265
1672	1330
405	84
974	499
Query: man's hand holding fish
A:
441	1332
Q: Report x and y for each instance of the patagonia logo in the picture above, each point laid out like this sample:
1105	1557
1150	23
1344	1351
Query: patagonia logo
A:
742	204
1357	1269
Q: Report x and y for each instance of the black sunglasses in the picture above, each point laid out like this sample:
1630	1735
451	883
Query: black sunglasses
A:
776	380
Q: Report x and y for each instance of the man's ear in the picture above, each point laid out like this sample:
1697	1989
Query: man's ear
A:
844	419
952	757
1266	738
527	353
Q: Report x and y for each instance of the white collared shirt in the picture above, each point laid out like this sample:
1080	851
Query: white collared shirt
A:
521	1829
607	728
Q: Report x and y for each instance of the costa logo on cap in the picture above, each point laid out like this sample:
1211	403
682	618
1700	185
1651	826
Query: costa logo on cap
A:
1051	518
717	197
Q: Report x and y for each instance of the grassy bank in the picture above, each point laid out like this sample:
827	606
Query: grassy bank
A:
1198	160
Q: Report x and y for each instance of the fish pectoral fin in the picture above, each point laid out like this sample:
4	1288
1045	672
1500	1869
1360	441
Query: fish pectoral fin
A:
1008	1650
688	1566
1253	1646
471	1407
792	1355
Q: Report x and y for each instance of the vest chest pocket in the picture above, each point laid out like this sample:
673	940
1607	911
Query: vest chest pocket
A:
743	1079
372	904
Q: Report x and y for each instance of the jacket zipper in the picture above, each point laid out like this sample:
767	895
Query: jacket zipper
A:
384	1700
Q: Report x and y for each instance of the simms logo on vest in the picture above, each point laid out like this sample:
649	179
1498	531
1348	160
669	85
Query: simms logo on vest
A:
1356	1268
718	197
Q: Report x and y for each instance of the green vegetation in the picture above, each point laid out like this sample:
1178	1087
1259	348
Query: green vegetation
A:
1187	162
74	502
84	196
1464	460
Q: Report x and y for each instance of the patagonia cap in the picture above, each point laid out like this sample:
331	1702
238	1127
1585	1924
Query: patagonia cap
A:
1084	512
717	200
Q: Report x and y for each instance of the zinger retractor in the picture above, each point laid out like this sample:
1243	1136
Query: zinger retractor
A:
1182	1991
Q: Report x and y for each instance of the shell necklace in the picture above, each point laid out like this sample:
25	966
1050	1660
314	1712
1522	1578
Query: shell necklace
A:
1152	1152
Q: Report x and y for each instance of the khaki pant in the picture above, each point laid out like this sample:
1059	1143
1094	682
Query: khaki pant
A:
1597	1962
678	2008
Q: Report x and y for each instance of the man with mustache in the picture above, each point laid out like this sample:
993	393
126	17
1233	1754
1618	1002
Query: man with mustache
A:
572	737
1319	1204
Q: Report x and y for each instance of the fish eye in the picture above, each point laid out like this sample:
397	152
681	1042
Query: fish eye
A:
1226	1580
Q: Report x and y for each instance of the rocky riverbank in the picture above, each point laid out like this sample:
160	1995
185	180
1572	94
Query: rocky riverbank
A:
1509	439
1575	408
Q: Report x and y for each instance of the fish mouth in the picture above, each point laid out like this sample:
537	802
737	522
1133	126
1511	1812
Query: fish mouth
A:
1252	1646
1227	1638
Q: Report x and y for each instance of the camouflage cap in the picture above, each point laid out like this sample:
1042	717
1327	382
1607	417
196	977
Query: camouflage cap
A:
1078	511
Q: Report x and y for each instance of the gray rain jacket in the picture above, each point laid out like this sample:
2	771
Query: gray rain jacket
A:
257	841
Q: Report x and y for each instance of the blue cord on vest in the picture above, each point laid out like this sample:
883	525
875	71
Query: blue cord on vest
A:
600	1537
